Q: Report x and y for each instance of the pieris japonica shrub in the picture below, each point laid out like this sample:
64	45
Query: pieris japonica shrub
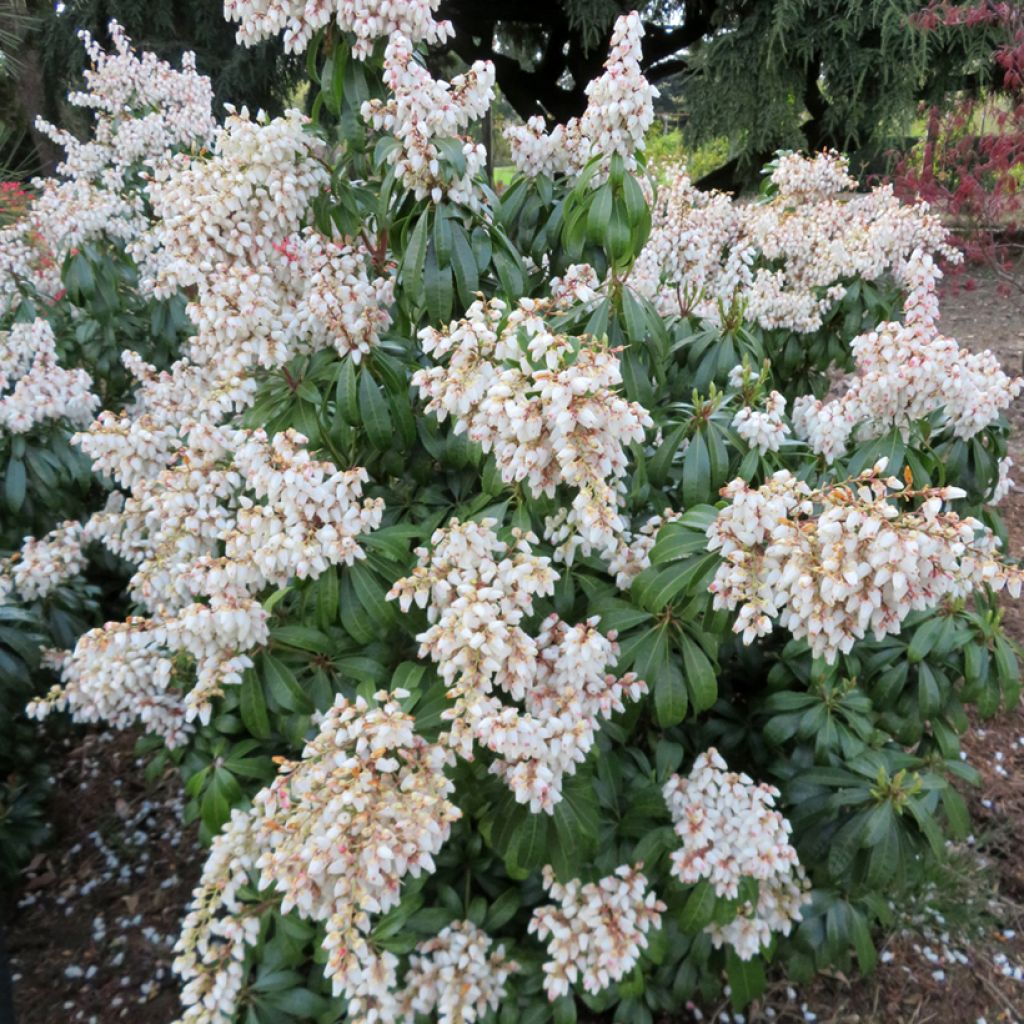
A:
70	306
567	601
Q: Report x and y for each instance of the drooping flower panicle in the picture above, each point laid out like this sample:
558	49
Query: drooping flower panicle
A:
730	831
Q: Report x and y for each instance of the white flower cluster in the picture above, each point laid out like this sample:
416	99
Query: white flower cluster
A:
334	835
576	287
424	110
904	373
799	178
44	563
34	387
341	306
121	675
143	109
230	207
731	831
274	511
215	514
786	261
697	255
456	976
547	405
217	930
836	563
367	20
765	430
620	109
230	225
596	932
634	552
476	594
134	446
1005	483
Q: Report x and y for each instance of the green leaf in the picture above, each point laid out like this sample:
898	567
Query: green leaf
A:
415	256
619	616
580	801
845	843
437	287
668	756
669	695
214	807
298	1002
923	639
482	248
355	620
14	484
253	707
502	910
366	670
656	588
633	314
881	819
675	541
929	694
1007	671
652	654
346	392
442	235
659	465
862	942
696	471
371	595
408	676
529	849
956	813
467	279
926	823
599	213
284	687
699	909
563	1010
700	675
375	415
308	392
303	638
509	268
327	596
746	978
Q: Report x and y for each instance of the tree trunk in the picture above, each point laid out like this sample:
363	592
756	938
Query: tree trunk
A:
29	86
32	97
932	137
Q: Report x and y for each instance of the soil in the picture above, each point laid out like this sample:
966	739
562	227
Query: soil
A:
93	927
98	914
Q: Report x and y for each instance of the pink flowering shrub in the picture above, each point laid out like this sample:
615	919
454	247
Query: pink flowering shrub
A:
567	600
968	164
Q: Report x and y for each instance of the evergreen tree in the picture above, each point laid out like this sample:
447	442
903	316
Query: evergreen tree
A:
763	73
261	77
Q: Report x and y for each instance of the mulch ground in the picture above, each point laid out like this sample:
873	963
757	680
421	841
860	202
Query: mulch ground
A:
98	914
92	928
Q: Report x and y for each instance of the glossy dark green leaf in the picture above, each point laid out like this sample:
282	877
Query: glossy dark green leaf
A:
746	979
696	471
283	686
374	413
252	706
701	678
670	701
699	908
